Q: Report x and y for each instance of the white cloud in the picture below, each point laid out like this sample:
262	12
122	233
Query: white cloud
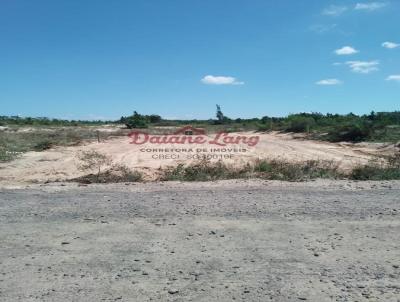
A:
363	66
220	80
334	10
329	82
390	45
370	6
394	77
346	50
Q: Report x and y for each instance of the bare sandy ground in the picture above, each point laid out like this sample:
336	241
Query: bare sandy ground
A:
219	241
60	163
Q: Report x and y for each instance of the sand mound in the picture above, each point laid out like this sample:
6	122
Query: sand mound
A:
60	163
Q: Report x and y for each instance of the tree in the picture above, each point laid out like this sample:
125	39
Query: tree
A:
220	115
154	118
221	118
135	121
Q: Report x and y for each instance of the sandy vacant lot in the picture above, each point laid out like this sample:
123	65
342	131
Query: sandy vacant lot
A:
221	241
60	163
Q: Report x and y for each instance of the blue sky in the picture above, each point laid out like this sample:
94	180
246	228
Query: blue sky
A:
94	59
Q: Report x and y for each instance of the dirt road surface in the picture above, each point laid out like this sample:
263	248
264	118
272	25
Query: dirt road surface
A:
222	241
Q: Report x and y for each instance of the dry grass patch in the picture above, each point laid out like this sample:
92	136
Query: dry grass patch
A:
205	170
102	169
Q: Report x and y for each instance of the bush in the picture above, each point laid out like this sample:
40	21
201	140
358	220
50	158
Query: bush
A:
93	161
283	170
6	155
43	145
300	123
350	133
376	170
262	166
263	127
374	173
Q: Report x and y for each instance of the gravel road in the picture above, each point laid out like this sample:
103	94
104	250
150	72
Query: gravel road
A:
224	241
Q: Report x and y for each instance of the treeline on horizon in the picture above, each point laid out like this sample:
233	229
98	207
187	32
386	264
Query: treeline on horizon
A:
380	126
45	121
376	126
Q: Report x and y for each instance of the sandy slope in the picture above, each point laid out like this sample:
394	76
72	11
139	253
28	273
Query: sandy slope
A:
60	163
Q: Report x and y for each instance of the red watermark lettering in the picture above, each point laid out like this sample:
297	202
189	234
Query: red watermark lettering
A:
193	136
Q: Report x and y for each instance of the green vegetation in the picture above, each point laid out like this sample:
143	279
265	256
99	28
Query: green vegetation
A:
44	133
43	145
139	121
382	126
298	123
205	170
379	127
6	155
44	121
282	170
378	170
14	142
115	174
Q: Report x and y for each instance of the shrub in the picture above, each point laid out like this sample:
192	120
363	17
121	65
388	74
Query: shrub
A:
266	169
300	123
93	161
122	173
6	155
376	170
262	166
350	133
115	174
374	173
394	161
263	127
204	170
43	145
312	169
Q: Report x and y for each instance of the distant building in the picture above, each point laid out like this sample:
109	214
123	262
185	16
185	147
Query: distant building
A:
189	130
